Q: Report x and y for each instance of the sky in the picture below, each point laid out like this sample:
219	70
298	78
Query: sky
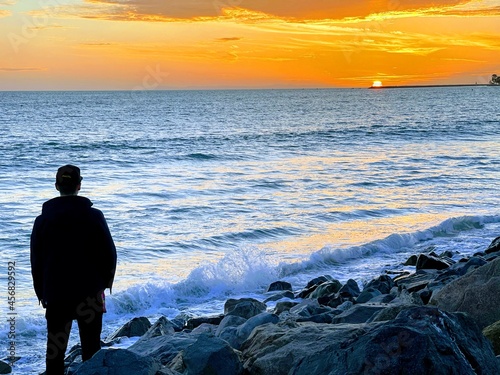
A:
219	44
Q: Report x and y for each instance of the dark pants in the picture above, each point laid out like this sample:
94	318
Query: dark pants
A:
60	316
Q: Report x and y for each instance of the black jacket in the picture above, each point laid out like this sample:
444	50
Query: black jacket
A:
73	255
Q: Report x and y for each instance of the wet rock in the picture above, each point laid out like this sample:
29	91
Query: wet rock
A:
350	289
284	306
425	340
309	308
494	246
133	328
278	296
208	355
161	327
244	307
425	262
243	331
195	322
164	348
5	368
278	286
118	362
367	294
416	281
360	313
326	289
492	333
477	294
313	284
229	321
383	283
411	261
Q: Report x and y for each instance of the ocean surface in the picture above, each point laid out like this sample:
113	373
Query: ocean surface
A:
215	194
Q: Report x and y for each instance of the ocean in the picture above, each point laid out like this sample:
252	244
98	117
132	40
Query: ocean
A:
211	195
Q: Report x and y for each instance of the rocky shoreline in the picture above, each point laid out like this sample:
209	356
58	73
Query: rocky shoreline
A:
443	318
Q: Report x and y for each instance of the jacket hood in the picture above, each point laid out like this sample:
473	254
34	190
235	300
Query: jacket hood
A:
64	203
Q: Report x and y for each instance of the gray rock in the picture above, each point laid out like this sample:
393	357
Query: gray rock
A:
229	321
345	306
494	246
279	285
360	313
350	289
416	281
192	323
164	348
492	333
326	289
244	307
422	340
133	328
208	356
205	328
309	308
313	284
477	294
427	261
5	368
367	294
389	313
469	265
284	306
411	261
118	362
161	327
243	331
278	296
383	283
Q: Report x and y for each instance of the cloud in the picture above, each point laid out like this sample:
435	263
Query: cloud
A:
231	39
296	9
252	11
4	13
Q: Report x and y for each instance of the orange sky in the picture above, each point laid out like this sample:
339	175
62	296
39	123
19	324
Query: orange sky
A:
184	44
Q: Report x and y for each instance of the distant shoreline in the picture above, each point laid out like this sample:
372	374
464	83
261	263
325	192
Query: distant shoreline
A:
429	86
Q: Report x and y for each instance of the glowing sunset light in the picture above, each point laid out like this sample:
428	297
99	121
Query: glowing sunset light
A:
188	44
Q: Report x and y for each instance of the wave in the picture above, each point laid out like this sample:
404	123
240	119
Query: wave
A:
248	271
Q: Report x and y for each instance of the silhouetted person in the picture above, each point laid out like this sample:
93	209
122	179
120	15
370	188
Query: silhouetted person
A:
73	259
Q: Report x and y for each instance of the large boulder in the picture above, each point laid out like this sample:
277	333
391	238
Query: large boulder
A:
360	313
494	246
426	261
477	294
279	286
118	362
325	289
423	339
133	328
492	333
164	348
244	307
235	336
162	327
5	368
208	355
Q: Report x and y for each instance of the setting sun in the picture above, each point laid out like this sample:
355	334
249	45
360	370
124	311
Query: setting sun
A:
377	84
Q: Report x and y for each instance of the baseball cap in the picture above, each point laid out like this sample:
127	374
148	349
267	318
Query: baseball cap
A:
68	175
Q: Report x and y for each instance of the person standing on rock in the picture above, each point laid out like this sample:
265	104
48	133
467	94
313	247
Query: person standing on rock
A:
73	260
